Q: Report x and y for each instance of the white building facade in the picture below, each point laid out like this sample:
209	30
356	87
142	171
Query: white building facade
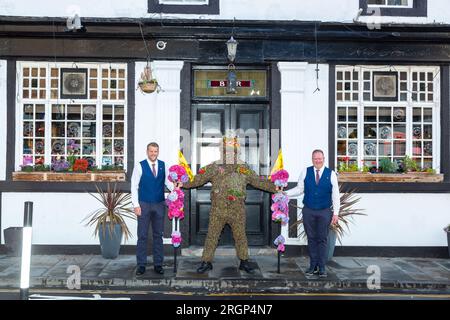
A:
362	80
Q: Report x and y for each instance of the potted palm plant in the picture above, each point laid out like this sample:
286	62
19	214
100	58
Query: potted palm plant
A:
109	220
346	213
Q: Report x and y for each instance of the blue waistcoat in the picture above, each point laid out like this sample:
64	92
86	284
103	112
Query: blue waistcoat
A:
151	189
318	197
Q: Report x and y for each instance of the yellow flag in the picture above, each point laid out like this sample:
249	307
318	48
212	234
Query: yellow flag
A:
278	164
182	161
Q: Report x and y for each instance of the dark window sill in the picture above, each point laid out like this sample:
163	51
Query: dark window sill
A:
390	177
113	176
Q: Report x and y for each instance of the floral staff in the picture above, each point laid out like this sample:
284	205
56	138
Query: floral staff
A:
280	207
175	200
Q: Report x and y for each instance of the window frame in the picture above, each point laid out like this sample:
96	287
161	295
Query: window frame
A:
99	102
360	104
409	5
213	7
183	2
419	8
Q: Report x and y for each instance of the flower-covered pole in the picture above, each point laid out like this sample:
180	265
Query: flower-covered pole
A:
175	204
280	209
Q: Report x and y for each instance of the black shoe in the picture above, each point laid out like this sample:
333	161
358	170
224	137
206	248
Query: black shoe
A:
246	266
205	266
159	269
323	274
140	271
311	271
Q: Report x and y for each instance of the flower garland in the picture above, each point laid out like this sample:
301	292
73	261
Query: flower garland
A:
176	238
279	242
280	178
175	200
280	206
280	209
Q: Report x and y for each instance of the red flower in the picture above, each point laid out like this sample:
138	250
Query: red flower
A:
201	171
231	198
80	165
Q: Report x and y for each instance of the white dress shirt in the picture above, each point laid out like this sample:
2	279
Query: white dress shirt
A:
300	188
136	178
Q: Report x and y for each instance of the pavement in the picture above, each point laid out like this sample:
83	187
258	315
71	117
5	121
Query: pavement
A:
345	275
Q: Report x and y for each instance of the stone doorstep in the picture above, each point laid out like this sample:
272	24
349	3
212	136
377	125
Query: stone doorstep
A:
241	285
196	251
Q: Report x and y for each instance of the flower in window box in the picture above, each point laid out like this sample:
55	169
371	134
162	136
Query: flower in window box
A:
27	161
80	165
60	165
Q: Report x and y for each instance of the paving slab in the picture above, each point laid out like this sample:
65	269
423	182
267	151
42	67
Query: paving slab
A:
345	274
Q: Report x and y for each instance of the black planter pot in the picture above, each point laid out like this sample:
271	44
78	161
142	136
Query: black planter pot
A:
110	242
331	244
13	241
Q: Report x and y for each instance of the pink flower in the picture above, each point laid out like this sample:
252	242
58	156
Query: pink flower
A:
281	247
180	171
281	175
176	238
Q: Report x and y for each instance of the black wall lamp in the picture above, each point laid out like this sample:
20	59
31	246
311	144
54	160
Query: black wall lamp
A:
231	77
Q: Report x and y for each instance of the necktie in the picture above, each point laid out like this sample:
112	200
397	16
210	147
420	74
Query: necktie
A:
153	169
317	177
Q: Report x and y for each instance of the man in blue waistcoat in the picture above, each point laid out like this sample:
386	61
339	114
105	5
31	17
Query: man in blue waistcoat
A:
147	195
319	187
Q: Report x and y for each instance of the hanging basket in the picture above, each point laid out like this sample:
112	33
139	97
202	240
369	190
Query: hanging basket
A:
149	86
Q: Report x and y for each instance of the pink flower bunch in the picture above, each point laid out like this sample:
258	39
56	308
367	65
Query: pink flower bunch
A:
178	173
279	216
279	242
280	178
176	239
27	161
175	204
280	208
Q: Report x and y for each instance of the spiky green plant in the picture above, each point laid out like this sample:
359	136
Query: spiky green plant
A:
346	212
116	207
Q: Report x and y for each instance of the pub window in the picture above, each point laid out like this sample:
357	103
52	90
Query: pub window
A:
69	110
396	8
180	2
390	3
389	113
184	6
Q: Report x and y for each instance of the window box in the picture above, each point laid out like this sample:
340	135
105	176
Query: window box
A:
109	176
389	177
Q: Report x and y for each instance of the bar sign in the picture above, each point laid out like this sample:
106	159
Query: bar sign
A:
223	83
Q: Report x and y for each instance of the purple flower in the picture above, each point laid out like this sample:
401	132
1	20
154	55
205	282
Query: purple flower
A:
60	165
279	240
173	176
173	196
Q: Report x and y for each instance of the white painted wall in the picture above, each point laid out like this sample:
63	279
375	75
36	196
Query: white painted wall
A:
392	220
400	220
304	114
321	10
157	115
57	217
3	119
